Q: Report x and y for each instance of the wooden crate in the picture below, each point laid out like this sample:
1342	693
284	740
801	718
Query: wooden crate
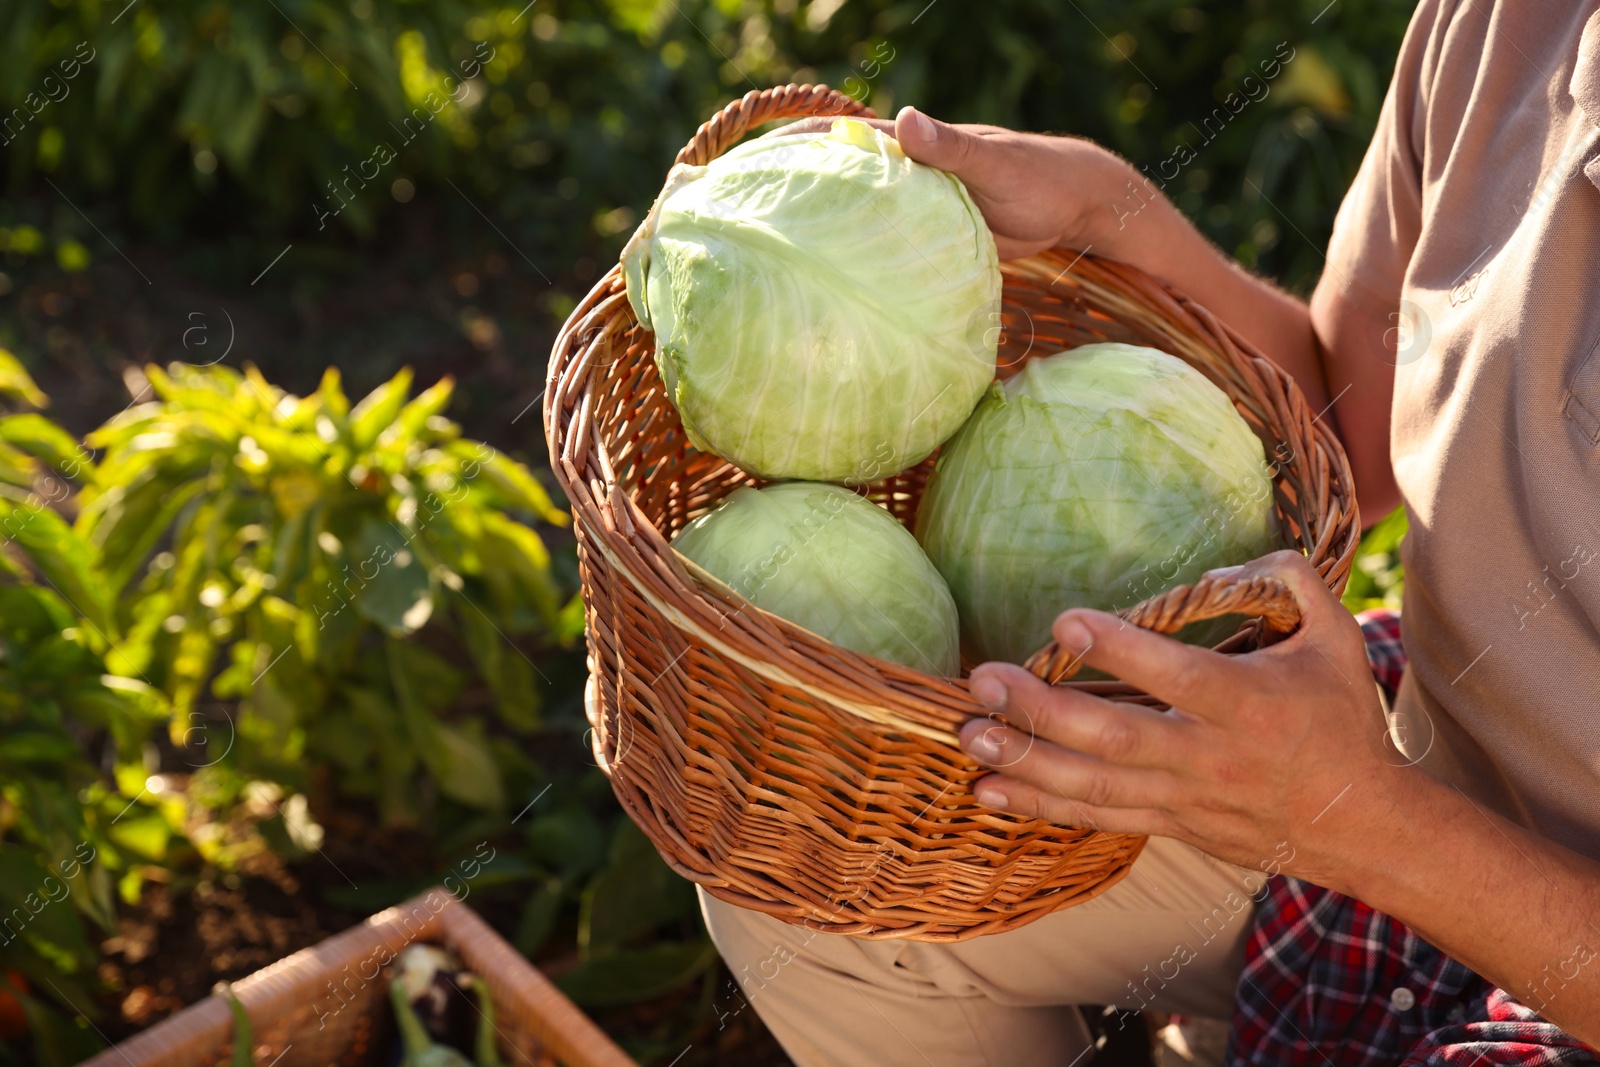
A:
327	1004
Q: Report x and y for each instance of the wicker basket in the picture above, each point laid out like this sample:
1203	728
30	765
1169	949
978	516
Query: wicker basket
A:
327	1005
787	774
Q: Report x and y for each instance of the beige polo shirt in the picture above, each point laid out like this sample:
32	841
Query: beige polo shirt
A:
1474	226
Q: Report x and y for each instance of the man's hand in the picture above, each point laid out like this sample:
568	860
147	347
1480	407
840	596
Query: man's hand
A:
1286	746
1034	191
1259	749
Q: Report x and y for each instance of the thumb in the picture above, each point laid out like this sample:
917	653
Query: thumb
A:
1317	604
927	140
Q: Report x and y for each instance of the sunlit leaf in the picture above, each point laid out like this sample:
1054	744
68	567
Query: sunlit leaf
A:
518	566
428	403
378	409
40	437
334	403
16	383
64	560
142	831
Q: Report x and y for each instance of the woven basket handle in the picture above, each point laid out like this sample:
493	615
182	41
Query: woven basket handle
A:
1261	596
727	126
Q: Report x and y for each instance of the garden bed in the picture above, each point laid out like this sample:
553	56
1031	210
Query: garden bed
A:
175	945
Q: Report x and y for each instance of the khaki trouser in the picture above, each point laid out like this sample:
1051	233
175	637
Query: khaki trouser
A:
1169	937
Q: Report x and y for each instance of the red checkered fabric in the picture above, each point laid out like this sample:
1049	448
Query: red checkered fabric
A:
1329	982
1385	653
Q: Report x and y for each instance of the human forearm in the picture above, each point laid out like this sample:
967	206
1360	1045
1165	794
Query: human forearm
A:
1363	336
1129	220
1518	909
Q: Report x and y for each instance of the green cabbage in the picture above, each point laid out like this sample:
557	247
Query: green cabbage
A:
835	563
823	306
1097	477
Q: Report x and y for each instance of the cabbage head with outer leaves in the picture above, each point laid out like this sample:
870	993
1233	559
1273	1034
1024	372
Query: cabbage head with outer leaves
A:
1097	477
834	563
823	306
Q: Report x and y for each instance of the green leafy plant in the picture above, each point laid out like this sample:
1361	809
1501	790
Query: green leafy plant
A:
64	827
357	578
244	1034
1377	579
180	113
624	910
39	461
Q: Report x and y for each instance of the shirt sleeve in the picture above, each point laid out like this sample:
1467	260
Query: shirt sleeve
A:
1377	227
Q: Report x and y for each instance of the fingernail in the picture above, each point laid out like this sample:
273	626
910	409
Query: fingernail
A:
983	744
1074	637
989	691
1224	572
920	125
990	796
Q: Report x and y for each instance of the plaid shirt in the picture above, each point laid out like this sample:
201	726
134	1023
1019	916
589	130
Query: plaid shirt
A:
1329	982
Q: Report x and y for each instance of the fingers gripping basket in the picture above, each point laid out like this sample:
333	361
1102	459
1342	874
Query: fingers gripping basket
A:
789	775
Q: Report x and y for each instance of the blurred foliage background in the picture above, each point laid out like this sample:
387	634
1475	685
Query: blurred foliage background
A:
197	117
233	237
